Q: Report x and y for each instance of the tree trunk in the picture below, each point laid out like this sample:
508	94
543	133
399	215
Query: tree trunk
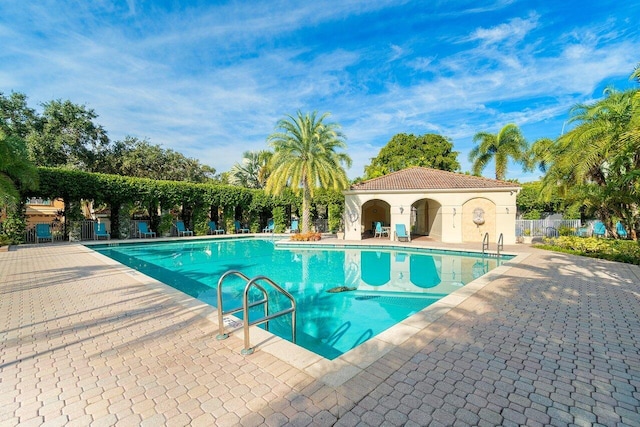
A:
306	208
114	216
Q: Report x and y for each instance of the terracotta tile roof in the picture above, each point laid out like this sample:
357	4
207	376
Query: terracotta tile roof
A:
419	178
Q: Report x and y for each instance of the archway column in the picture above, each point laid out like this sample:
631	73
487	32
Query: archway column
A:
400	214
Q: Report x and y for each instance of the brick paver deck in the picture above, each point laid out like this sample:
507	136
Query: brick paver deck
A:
555	340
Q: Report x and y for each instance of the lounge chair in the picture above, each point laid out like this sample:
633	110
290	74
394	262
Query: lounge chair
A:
599	229
43	232
99	230
239	228
379	231
401	233
143	230
583	231
270	227
622	232
182	230
213	228
294	227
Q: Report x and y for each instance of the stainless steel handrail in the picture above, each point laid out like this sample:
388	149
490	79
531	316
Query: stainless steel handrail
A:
500	244
221	334
485	242
247	345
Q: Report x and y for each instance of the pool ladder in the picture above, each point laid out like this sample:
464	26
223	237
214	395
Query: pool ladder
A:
246	305
485	244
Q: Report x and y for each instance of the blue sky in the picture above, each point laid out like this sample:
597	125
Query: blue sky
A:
211	79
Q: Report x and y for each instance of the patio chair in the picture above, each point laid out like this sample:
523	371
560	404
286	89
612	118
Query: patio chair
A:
43	232
213	228
182	230
143	230
270	227
401	233
622	232
599	229
294	227
582	231
100	230
379	231
239	228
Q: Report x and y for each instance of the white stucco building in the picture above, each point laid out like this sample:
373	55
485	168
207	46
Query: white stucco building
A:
449	207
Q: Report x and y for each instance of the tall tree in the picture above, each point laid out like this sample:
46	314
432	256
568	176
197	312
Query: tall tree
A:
600	157
16	118
253	171
67	136
405	150
15	169
506	144
140	158
305	157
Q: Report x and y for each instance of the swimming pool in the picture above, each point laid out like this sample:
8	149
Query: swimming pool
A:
384	285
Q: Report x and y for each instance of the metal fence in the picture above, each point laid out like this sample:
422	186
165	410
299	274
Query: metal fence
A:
80	230
546	227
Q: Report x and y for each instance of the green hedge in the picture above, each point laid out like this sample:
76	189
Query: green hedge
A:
626	251
196	199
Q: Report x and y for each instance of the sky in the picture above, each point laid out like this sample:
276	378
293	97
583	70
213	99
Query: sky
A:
211	79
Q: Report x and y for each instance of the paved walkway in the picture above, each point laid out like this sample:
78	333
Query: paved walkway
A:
554	340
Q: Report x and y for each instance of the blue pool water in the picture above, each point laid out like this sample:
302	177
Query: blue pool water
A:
390	284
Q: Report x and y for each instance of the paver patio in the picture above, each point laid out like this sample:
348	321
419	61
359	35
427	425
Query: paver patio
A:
554	340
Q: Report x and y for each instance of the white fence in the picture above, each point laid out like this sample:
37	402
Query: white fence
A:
546	227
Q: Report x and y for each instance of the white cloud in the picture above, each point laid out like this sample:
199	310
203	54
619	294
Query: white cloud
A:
512	32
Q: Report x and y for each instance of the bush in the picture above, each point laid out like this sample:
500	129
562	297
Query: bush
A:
13	228
532	214
4	240
626	251
166	221
566	231
335	217
279	224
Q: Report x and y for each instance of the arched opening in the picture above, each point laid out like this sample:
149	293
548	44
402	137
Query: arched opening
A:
373	211
426	218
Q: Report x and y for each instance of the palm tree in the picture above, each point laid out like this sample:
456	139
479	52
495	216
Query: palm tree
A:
508	143
253	171
600	156
305	157
15	169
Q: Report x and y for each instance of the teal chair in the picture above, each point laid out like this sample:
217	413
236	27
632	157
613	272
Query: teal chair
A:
622	232
401	233
143	230
239	228
294	227
100	230
599	230
43	232
213	228
270	227
182	230
379	230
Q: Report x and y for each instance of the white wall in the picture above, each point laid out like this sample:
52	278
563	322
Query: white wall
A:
446	224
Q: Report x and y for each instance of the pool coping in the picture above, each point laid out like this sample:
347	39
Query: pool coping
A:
338	371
